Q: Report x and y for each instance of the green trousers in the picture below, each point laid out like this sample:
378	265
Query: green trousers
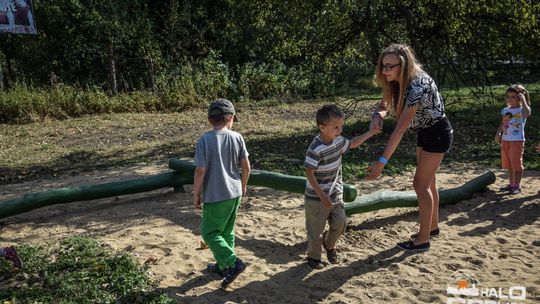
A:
217	229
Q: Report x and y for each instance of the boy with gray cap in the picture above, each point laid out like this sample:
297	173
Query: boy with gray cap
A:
219	156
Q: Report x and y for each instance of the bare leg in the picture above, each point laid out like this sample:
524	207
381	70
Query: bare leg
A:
434	193
424	182
517	178
435	212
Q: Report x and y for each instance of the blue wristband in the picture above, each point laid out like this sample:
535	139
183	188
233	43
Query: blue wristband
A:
383	160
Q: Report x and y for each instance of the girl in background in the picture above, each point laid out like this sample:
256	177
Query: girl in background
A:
511	135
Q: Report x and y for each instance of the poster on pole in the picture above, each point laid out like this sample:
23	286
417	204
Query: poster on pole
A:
17	16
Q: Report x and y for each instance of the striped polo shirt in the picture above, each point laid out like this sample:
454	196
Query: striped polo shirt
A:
326	160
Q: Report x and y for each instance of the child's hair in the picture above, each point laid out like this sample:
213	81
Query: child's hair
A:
327	112
219	119
519	88
410	67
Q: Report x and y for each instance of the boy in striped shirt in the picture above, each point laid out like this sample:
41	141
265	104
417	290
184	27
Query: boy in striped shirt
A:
324	187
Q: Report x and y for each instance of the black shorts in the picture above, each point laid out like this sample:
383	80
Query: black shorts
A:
437	138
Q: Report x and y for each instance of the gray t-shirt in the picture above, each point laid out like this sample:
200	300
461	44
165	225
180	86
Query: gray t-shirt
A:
220	152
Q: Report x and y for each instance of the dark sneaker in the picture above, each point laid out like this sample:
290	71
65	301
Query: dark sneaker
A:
515	191
315	264
232	273
10	254
214	268
505	188
434	232
331	255
410	246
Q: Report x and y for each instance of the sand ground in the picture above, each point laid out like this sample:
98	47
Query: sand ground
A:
493	237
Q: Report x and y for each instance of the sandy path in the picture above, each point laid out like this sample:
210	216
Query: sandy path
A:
492	236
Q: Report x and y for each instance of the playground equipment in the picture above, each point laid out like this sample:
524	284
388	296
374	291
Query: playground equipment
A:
278	181
391	199
183	175
37	200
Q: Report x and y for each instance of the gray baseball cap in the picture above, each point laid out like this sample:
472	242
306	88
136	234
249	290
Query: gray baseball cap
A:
221	106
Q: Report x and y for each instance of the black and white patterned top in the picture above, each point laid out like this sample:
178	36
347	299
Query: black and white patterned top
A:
423	91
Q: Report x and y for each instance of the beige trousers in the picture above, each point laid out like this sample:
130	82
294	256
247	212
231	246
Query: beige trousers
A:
316	217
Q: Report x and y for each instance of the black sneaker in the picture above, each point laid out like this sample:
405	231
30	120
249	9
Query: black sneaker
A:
232	273
331	255
410	246
315	264
214	268
434	232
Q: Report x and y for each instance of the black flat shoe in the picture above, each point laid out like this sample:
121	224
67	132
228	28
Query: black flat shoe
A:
434	232
410	246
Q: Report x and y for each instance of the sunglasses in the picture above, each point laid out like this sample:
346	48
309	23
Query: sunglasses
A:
388	67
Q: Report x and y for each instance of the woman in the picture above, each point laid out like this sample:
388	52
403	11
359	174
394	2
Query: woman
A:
412	96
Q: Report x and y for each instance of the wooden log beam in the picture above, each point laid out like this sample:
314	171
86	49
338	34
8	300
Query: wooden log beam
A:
278	181
33	201
391	199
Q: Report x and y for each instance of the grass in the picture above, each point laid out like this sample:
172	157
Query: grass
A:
476	120
77	270
277	135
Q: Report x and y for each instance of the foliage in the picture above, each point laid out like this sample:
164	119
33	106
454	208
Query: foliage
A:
187	52
22	104
76	40
79	270
193	84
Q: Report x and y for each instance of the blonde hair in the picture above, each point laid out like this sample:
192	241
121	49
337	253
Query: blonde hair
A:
519	88
395	90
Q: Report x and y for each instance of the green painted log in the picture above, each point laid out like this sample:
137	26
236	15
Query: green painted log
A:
278	181
32	201
391	199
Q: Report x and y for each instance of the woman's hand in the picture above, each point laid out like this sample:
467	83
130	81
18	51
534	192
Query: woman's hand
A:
375	170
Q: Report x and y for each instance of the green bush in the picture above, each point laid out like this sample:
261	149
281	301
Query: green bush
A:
79	270
259	81
195	84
